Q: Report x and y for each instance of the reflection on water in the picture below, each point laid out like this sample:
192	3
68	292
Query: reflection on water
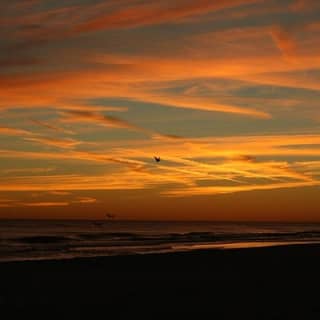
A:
240	245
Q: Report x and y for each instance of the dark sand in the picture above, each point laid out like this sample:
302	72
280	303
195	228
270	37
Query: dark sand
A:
261	283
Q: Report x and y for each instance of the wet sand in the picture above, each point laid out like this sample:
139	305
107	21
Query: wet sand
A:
257	283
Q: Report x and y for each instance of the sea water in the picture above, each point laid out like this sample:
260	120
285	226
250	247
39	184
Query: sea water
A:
65	239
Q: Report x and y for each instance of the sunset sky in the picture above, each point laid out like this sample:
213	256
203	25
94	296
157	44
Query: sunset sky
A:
226	92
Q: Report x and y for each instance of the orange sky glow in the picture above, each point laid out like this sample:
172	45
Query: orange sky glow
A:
226	93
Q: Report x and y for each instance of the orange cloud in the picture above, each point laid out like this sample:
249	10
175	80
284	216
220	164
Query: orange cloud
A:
60	143
6	205
83	71
45	204
45	124
27	170
14	132
85	200
59	193
174	169
18	62
284	41
155	13
137	73
108	121
224	190
73	116
303	5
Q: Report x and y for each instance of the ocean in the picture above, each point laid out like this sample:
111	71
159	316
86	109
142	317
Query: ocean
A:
54	239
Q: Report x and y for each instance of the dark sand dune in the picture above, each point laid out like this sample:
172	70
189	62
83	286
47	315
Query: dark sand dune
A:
264	283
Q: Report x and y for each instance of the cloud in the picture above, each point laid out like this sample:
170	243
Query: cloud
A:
166	137
45	204
137	72
201	191
71	116
7	203
30	136
154	13
27	170
284	41
206	147
244	158
18	62
70	106
55	142
46	125
65	60
77	156
183	176
85	200
14	132
203	104
303	5
59	193
108	121
75	182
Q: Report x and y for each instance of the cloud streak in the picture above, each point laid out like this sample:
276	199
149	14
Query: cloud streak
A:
60	143
14	132
223	161
45	204
104	120
46	125
73	116
155	13
223	91
225	190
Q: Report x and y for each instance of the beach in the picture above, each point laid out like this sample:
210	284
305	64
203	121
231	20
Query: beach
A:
278	282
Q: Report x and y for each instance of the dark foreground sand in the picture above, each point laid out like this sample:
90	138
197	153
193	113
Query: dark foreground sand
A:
265	283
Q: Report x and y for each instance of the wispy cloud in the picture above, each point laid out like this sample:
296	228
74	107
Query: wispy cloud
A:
85	200
224	190
45	204
73	116
14	132
284	41
59	193
7	203
228	82
46	125
60	143
154	13
304	5
223	159
27	170
104	120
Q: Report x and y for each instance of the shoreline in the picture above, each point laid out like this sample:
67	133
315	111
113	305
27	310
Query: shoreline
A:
258	283
184	249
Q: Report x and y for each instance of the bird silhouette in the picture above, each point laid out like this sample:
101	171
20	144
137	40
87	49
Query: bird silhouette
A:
110	216
157	159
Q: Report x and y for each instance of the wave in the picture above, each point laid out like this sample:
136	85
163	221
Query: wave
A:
42	239
168	237
79	239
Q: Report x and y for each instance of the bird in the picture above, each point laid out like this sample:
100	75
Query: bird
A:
157	159
110	216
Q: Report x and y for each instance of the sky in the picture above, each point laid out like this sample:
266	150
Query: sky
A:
225	92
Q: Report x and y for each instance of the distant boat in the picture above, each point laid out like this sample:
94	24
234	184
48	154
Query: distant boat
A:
157	159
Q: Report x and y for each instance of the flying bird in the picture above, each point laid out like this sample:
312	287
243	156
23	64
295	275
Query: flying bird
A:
110	216
157	159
